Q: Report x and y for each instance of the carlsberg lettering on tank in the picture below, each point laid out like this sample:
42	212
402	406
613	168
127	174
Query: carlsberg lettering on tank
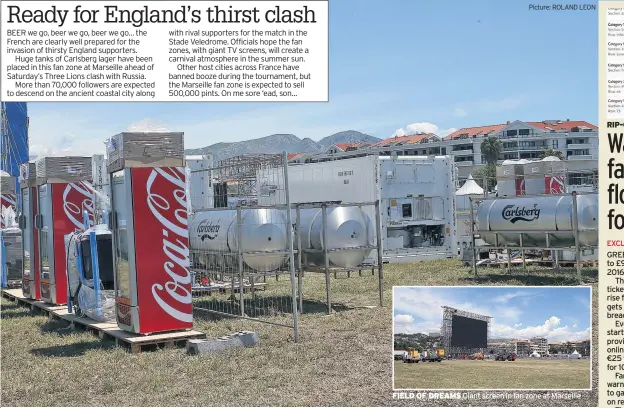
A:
514	213
532	216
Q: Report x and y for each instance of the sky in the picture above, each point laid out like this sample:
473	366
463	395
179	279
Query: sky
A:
557	313
396	67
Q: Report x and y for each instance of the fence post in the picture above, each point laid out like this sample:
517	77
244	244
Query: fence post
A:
577	243
291	251
379	250
327	278
472	237
239	226
299	259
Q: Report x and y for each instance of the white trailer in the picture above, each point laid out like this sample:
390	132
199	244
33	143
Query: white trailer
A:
199	181
416	193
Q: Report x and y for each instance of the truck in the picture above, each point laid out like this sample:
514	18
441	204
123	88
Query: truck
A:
413	356
506	357
416	196
433	356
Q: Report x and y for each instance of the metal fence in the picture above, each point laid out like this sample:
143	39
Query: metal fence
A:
554	237
241	252
339	240
252	249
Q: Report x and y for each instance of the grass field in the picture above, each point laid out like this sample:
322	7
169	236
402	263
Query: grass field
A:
520	374
344	359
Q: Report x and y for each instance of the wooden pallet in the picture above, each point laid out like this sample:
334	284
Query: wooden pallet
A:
108	331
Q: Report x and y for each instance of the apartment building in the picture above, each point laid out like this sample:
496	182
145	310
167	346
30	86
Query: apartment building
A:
583	347
576	140
539	345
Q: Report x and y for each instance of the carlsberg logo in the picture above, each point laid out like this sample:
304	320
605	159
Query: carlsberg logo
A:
514	213
207	229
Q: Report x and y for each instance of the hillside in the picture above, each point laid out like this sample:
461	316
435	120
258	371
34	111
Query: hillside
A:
280	142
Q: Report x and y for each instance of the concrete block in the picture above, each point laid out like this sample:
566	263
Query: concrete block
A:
240	339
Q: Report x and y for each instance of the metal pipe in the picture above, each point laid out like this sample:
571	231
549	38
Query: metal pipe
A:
327	279
299	259
85	219
289	232
4	280
96	273
472	235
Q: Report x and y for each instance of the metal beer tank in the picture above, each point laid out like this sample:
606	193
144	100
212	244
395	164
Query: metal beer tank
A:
263	230
556	213
347	227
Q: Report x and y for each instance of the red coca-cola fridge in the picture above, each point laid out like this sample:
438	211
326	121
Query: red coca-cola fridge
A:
150	232
31	280
64	193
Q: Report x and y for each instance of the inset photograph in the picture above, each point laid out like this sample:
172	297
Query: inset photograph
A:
492	338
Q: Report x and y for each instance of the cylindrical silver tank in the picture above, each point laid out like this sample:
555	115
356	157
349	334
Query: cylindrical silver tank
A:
263	230
347	227
539	214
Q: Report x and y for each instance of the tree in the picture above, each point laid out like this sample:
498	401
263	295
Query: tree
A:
551	152
491	148
487	172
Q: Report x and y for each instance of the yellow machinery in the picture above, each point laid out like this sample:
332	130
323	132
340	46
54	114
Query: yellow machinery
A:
477	356
413	356
437	355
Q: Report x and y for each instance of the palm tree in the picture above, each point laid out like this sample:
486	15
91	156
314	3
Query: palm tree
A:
551	152
491	148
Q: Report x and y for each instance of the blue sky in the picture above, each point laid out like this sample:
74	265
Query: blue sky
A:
557	313
435	65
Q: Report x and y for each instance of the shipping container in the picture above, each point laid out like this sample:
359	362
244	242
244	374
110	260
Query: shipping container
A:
416	193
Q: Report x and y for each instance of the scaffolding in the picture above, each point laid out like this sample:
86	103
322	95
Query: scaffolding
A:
453	350
239	174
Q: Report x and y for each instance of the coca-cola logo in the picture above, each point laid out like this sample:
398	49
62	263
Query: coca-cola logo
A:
556	185
7	201
206	229
173	217
74	207
515	213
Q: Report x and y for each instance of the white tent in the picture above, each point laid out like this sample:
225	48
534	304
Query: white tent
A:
470	187
519	161
575	354
462	196
551	158
535	354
